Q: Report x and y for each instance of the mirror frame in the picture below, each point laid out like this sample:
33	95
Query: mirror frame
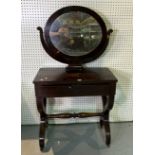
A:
74	60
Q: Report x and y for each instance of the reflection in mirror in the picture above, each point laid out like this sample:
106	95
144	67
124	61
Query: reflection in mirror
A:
75	33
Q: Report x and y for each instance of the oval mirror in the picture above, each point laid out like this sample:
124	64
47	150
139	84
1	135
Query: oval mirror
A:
75	33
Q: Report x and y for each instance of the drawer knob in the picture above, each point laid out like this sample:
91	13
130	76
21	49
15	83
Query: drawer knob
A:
70	87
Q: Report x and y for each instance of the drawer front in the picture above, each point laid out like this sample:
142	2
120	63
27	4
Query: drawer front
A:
72	90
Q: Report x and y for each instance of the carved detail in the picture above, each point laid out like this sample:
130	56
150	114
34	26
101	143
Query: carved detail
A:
109	32
45	46
69	115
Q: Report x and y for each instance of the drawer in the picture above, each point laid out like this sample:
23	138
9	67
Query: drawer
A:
72	90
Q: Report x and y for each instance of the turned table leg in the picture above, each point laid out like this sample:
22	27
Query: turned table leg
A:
104	119
41	105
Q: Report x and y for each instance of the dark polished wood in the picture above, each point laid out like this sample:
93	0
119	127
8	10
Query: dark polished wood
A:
56	82
104	119
75	62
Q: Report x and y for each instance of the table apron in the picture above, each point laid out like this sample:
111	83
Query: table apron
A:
73	90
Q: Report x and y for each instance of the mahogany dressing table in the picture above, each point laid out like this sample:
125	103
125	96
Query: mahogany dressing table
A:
74	35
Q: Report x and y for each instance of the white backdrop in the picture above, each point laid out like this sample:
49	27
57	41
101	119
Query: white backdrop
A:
118	57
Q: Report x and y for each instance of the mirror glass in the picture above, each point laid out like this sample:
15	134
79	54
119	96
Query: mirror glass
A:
75	33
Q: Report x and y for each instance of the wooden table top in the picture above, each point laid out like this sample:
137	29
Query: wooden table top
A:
59	76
